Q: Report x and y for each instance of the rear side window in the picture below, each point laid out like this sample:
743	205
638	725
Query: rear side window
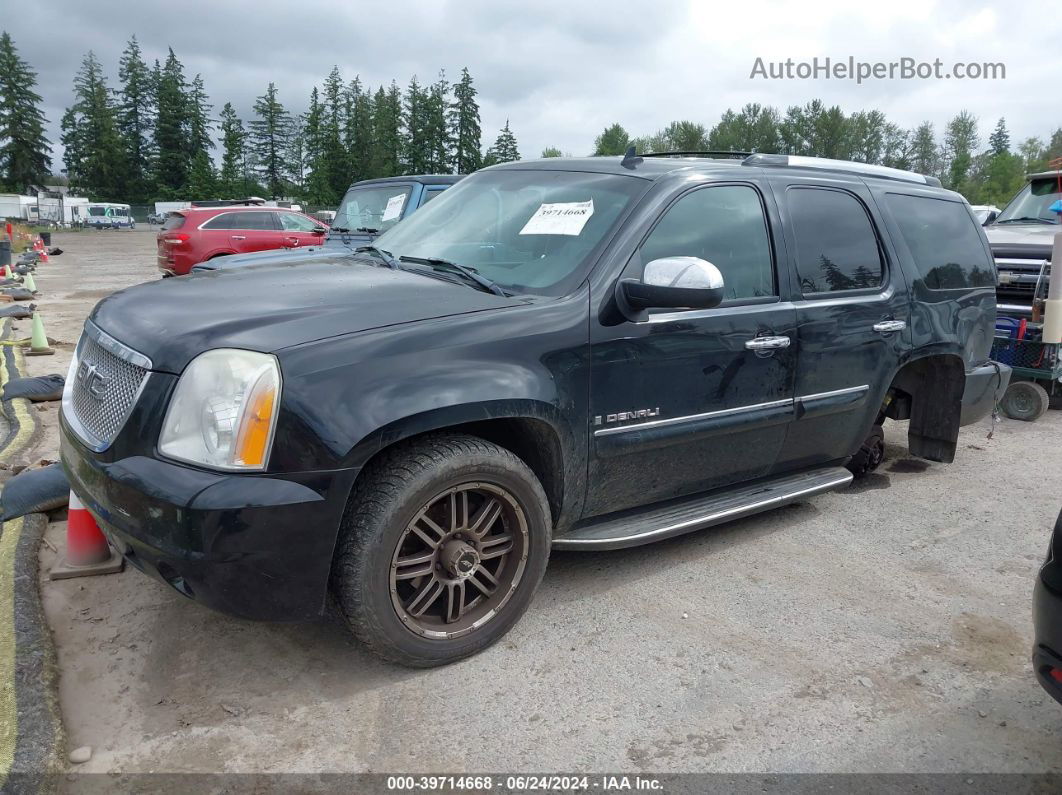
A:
430	194
724	225
836	245
173	221
943	241
255	220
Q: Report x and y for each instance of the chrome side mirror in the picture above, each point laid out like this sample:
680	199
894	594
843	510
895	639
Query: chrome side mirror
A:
672	283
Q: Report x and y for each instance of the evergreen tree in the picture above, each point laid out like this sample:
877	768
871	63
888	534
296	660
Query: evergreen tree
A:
1032	151
270	139
960	141
24	151
999	140
233	181
437	141
295	155
552	151
924	155
318	190
359	131
94	157
465	126
334	122
415	146
136	113
614	140
504	149
172	147
387	143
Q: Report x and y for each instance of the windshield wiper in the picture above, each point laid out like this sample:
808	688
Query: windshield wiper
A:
338	229
367	230
386	257
1026	219
444	265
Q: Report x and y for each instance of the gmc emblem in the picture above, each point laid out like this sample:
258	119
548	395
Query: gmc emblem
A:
94	382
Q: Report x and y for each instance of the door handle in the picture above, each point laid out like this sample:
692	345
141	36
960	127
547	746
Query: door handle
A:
767	343
291	242
239	237
889	326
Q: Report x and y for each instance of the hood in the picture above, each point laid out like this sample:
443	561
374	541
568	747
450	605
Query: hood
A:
268	308
1020	235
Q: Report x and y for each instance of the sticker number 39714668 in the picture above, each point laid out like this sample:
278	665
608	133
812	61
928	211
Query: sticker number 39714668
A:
561	218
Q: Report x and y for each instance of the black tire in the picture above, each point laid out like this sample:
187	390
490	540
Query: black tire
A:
870	455
386	504
1025	400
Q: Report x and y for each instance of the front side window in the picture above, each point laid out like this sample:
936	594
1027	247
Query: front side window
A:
724	225
296	223
371	209
837	248
527	230
944	242
97	211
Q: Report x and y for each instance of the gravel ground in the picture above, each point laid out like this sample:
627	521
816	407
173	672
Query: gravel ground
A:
886	627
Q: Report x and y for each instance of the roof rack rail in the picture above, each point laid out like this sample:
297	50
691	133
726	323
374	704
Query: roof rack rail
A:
846	166
704	153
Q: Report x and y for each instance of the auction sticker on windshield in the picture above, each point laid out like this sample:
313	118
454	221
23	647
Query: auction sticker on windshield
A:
562	218
393	209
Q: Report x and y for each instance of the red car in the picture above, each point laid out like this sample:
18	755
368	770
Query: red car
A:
197	234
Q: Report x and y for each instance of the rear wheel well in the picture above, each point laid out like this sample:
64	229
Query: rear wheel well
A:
533	441
928	392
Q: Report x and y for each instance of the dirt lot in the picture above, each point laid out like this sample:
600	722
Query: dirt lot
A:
883	628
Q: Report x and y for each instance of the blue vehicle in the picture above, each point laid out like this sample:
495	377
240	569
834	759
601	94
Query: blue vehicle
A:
368	209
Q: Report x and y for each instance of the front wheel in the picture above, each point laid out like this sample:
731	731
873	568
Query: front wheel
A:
442	547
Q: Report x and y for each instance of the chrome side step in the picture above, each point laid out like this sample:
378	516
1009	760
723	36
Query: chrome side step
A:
645	525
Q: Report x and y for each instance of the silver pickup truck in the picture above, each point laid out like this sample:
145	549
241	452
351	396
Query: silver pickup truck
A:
1021	238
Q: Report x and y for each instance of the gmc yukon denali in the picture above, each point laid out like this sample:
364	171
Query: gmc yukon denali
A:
579	354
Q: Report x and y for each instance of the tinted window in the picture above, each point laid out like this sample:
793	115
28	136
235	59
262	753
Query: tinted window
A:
296	223
944	242
430	194
836	245
173	221
255	220
724	225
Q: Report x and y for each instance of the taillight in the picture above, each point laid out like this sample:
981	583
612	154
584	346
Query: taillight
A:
176	239
1056	674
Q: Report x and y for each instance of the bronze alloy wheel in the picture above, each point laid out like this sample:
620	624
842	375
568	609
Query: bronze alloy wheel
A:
459	560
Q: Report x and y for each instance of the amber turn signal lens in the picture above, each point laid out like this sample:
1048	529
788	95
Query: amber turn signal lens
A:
252	440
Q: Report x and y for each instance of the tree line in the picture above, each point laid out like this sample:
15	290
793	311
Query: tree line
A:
153	136
156	136
985	172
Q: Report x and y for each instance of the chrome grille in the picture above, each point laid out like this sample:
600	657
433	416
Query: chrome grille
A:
104	390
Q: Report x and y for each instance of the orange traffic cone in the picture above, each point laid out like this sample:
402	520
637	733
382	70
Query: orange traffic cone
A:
87	550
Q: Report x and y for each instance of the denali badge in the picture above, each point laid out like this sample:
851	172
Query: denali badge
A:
638	414
94	382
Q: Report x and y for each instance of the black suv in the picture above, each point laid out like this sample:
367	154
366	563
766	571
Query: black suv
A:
566	353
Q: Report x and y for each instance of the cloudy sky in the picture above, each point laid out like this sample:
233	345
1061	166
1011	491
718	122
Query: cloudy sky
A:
561	70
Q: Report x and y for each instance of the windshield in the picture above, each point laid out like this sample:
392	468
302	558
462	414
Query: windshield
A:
527	231
375	208
1032	202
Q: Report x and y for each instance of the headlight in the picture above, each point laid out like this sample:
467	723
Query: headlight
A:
224	410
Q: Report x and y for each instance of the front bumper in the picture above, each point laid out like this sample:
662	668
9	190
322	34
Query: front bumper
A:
1047	648
985	386
258	547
